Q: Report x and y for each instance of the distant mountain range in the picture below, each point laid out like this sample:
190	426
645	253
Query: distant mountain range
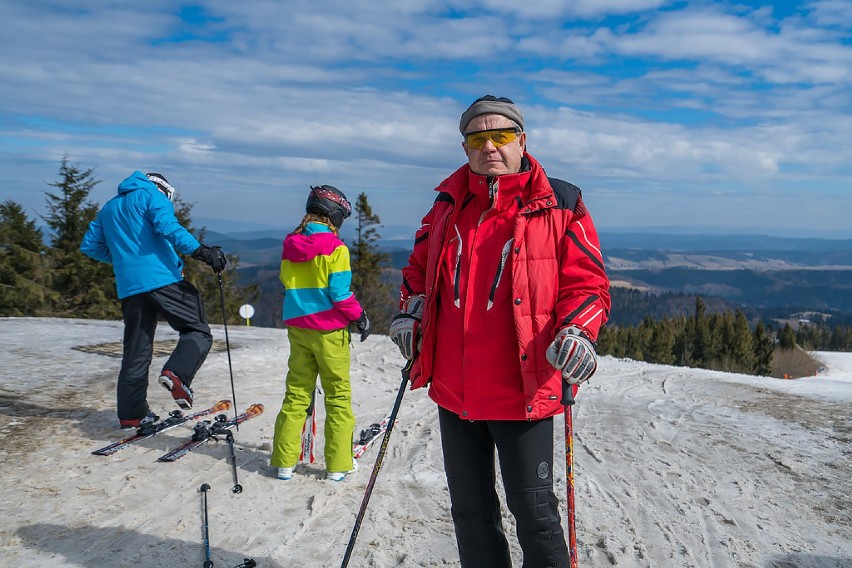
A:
759	271
622	251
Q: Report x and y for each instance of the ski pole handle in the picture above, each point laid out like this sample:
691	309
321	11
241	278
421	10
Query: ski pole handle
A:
567	394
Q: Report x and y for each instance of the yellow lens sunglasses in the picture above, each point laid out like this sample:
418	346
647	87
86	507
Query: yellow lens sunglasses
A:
498	136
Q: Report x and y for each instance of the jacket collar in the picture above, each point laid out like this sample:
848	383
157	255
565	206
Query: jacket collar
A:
535	191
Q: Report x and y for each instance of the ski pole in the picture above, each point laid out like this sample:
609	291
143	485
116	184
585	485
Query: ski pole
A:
382	450
207	562
227	343
230	439
568	403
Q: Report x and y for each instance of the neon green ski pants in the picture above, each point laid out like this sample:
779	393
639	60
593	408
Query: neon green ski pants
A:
312	353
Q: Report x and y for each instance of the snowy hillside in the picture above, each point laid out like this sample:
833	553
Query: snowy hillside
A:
674	467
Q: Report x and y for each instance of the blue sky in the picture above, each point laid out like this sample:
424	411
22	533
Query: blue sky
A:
705	116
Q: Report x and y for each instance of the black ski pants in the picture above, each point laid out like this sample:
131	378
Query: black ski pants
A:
181	306
525	451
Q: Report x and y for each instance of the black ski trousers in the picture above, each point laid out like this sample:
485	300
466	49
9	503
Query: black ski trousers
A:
525	451
181	306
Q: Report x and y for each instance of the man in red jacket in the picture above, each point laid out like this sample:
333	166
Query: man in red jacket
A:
502	300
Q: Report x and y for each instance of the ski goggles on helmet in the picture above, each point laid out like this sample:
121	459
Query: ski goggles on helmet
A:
497	136
164	186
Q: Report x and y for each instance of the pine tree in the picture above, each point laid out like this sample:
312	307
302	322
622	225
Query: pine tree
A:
700	335
85	287
722	329
839	338
607	341
742	344
682	347
644	335
368	267
661	348
764	347
787	337
24	282
633	344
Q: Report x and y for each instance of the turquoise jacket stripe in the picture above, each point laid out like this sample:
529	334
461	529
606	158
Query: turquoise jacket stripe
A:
317	279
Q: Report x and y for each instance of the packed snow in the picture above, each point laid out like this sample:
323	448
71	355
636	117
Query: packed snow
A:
674	467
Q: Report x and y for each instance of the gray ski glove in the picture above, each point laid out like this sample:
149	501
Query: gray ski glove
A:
405	327
573	354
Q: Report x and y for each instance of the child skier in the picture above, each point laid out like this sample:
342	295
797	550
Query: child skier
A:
318	308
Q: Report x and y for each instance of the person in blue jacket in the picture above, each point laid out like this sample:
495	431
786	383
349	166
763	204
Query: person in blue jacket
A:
137	232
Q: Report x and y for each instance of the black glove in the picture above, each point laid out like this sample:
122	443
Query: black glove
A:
363	325
213	256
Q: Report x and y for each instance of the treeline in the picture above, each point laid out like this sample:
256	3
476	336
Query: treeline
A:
45	277
720	341
723	342
819	336
631	306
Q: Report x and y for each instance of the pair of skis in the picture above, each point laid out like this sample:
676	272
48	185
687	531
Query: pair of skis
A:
203	432
309	433
206	430
176	418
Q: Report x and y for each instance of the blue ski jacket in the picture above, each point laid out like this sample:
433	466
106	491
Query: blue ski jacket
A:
137	232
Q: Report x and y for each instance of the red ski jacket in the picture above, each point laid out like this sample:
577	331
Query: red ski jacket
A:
557	279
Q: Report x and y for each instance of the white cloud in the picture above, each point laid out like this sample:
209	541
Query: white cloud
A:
833	13
792	54
560	8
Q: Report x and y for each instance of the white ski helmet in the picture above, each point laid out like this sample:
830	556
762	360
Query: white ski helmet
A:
160	181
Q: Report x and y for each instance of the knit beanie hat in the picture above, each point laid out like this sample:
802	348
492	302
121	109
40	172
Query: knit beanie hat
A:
489	104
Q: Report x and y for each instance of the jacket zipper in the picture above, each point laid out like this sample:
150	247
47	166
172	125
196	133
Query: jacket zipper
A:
503	256
457	271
